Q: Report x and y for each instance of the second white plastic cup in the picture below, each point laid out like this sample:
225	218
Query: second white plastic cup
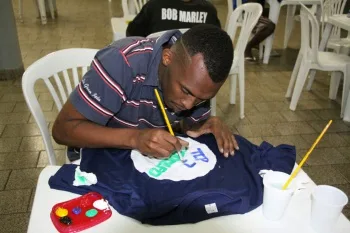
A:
327	202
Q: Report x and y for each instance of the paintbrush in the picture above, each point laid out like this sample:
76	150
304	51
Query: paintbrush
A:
166	119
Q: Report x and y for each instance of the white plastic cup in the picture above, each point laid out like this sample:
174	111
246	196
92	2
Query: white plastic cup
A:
275	199
327	202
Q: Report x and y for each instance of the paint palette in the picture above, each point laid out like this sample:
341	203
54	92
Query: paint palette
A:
80	213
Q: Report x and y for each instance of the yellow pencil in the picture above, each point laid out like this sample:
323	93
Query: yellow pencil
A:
306	156
166	118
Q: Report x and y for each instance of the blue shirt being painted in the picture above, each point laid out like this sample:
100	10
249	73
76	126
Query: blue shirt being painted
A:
118	90
234	184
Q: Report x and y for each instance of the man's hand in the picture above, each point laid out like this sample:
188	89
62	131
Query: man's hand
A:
224	138
158	143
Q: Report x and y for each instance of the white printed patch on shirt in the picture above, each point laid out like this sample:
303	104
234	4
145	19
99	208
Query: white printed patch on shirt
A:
211	208
198	161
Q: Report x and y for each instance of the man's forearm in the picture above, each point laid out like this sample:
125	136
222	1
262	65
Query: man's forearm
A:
84	133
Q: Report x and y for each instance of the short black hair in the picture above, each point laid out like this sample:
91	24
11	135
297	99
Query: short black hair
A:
216	47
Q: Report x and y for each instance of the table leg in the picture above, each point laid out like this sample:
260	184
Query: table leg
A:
289	24
346	116
37	8
274	13
42	10
52	8
20	9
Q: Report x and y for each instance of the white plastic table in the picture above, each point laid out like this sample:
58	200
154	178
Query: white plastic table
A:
341	21
296	218
274	13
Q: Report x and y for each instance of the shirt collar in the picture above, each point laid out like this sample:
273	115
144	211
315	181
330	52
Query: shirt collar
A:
170	37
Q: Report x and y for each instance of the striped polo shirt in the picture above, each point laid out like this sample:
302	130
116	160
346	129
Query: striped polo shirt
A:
118	90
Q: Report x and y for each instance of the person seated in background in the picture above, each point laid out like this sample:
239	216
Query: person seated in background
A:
160	15
263	29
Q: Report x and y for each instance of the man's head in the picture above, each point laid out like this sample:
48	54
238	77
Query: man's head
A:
195	67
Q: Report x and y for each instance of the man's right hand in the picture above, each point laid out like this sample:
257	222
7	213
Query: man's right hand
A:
158	143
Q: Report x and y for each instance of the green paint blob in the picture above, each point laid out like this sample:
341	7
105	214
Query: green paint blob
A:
182	152
91	213
82	179
163	165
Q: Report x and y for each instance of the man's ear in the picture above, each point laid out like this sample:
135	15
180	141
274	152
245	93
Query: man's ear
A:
166	56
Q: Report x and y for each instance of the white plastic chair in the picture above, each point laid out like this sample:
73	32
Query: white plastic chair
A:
49	66
337	44
138	4
41	10
230	10
334	7
330	7
290	18
250	13
310	58
130	9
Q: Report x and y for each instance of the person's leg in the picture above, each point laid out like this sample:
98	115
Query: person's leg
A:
264	28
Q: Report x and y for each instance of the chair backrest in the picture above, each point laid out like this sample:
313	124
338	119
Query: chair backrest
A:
245	16
158	34
68	65
230	10
309	45
333	7
132	7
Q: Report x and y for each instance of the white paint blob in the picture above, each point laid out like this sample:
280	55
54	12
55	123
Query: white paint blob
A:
100	204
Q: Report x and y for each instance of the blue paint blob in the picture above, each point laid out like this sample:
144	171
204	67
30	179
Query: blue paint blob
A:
77	210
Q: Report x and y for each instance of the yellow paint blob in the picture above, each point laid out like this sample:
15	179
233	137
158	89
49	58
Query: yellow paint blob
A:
61	212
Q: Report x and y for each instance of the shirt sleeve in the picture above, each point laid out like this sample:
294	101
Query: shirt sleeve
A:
104	87
199	113
140	26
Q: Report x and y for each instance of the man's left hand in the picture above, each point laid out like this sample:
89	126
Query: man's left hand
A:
224	138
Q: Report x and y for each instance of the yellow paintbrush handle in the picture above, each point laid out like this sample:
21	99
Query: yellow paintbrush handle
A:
164	113
306	156
166	118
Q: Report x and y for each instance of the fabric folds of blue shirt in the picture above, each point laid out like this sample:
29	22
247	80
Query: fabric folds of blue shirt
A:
234	185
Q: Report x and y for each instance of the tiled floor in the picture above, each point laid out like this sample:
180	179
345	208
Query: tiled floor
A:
85	23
